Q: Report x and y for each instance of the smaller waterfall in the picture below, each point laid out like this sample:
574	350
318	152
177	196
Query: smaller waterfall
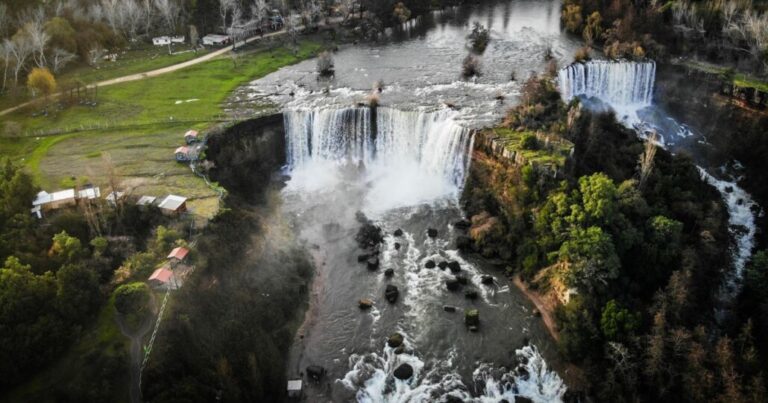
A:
619	83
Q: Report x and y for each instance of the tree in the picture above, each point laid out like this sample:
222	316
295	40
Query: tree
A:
401	13
599	198
594	29
618	323
62	34
60	58
20	47
169	11
41	81
572	18
66	247
479	38
591	257
5	20
132	298
77	292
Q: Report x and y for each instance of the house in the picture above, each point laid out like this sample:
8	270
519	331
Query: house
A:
45	201
113	197
182	154
164	279
215	40
294	389
178	255
173	205
167	40
191	136
146	201
89	193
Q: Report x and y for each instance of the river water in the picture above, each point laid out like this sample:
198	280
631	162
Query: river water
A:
404	168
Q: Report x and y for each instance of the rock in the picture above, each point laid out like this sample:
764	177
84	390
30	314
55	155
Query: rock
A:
373	263
403	372
362	258
400	350
536	312
473	328
523	399
442	265
315	372
454	399
470	294
395	340
432	233
523	373
389	272
365	303
729	189
464	242
462	280
740	201
462	224
397	246
398	232
454	266
452	284
448	308
391	293
472	317
430	264
487	280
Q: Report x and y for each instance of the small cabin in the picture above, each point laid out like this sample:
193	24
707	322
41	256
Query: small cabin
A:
215	40
191	136
173	205
163	279
145	201
294	389
114	197
89	193
45	201
182	154
178	255
167	40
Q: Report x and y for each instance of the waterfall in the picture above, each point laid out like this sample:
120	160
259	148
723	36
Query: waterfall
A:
619	83
433	141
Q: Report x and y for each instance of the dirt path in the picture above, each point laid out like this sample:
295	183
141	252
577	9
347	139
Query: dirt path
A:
544	308
160	71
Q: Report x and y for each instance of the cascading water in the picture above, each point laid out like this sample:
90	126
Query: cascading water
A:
620	83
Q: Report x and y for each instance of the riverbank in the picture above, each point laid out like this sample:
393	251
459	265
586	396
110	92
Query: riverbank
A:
545	308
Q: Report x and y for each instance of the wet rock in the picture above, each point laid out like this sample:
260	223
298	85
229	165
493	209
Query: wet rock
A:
454	266
403	372
315	372
729	189
391	293
397	246
430	264
472	318
523	399
462	280
431	232
487	280
362	258
398	232
369	234
470	294
462	224
740	201
453	399
372	263
365	303
522	372
536	312
464	242
395	340
442	265
389	272
400	350
448	308
452	284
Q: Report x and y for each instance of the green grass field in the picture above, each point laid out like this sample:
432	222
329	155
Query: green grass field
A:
739	79
555	152
143	129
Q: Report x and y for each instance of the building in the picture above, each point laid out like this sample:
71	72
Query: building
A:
146	201
191	136
45	202
163	279
173	205
178	255
215	40
89	193
167	40
294	389
113	197
182	154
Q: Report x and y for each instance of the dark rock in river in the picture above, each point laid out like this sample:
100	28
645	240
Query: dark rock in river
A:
729	189
400	350
362	258
448	308
442	265
369	234
403	372
536	312
472	317
391	293
522	372
452	284
523	399
462	224
454	399
397	246
365	303
462	280
432	233
395	340
464	242
487	280
398	232
470	294
454	266
373	263
389	272
315	372
430	264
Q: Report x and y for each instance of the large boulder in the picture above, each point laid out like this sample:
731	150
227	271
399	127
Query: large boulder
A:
389	272
398	232
430	264
315	372
487	280
391	293
397	245
454	266
365	303
432	233
472	317
369	234
395	340
523	399
372	263
442	265
452	284
403	372
363	257
449	308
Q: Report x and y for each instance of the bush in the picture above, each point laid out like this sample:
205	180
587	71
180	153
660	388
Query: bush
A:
325	64
529	142
470	66
582	55
132	298
479	38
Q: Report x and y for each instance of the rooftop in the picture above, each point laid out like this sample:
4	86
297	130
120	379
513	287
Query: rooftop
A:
146	200
178	253
172	202
191	133
162	275
89	193
44	197
182	150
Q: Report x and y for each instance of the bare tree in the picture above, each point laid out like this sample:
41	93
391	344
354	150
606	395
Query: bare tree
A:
347	7
225	7
132	16
235	26
5	20
194	37
20	48
259	10
169	11
646	158
60	58
292	27
95	55
7	56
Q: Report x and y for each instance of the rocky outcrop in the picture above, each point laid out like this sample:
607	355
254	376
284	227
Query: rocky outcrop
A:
395	340
365	303
403	372
391	293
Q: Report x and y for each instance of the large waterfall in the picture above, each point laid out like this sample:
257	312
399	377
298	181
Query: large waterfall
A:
433	142
619	83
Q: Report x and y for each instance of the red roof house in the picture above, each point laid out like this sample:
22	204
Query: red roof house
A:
191	136
179	253
162	278
182	154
